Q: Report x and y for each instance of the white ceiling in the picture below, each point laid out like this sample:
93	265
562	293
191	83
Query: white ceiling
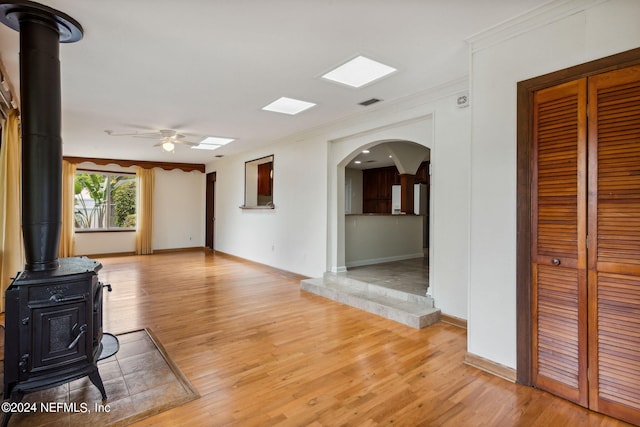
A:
380	156
207	67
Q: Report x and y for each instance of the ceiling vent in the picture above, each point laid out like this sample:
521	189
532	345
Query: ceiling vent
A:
369	102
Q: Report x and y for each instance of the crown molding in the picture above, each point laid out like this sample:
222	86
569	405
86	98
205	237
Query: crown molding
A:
535	18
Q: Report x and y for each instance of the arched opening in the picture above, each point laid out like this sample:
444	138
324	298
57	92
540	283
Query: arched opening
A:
386	214
355	231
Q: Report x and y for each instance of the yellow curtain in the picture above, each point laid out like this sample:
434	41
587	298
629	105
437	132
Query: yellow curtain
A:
67	231
144	211
11	245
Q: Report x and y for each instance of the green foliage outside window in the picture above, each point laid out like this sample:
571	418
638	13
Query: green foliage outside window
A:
124	199
105	201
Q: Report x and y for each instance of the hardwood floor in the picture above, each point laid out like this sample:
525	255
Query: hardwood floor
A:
262	352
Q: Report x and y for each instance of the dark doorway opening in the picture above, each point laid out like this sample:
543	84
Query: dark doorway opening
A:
210	210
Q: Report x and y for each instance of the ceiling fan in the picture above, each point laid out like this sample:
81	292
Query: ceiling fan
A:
167	138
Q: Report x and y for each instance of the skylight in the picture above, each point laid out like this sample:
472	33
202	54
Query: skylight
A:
212	143
288	106
358	72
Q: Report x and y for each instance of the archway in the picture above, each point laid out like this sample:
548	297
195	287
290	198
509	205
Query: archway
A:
343	151
387	217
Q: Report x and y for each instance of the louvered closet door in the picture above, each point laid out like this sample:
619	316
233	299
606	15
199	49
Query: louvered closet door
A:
559	241
614	243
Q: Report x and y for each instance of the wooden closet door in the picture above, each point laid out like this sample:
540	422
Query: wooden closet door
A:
559	241
614	243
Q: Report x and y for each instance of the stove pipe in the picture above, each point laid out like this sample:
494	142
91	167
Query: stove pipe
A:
41	30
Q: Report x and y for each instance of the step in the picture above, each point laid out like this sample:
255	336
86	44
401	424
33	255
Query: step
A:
361	285
415	311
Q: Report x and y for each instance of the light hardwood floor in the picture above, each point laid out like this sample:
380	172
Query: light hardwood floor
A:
262	352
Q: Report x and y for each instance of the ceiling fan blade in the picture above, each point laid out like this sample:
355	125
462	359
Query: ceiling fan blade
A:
163	136
137	127
112	133
151	135
182	125
167	133
136	134
185	142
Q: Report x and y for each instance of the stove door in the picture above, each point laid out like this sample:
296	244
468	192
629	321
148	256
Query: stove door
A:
60	335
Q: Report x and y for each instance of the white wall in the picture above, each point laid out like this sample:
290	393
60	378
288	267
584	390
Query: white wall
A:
353	178
179	209
373	239
432	120
557	36
105	243
291	236
305	232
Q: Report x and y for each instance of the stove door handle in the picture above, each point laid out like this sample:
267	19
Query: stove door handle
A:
83	330
60	298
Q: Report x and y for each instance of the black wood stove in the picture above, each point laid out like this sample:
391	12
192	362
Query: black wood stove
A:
53	319
53	328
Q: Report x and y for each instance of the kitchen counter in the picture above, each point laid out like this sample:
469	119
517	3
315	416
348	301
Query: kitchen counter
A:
377	238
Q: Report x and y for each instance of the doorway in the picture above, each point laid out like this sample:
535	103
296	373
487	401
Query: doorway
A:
386	238
578	258
210	211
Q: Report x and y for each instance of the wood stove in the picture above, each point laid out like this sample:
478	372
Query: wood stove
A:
53	319
53	328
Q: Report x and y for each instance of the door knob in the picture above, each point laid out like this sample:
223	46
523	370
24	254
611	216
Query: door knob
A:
555	261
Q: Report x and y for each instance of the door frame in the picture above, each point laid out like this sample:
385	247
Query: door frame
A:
524	135
210	214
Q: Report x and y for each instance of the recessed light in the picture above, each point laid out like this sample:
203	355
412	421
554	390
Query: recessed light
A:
357	162
358	72
212	143
366	151
288	106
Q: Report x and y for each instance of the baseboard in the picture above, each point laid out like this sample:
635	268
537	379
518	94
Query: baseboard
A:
491	367
372	261
109	254
173	250
286	273
453	320
155	251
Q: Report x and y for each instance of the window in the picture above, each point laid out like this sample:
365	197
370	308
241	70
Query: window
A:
258	183
104	201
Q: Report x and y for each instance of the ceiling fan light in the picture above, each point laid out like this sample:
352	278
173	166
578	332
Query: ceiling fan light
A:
168	146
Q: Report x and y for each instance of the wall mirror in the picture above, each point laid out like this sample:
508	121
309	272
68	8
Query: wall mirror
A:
258	183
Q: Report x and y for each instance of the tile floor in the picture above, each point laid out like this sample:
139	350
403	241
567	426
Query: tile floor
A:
138	381
411	275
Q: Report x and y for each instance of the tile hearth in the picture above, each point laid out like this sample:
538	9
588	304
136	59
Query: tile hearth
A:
140	381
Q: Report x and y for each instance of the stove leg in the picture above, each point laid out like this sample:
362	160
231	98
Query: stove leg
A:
16	397
97	381
5	419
